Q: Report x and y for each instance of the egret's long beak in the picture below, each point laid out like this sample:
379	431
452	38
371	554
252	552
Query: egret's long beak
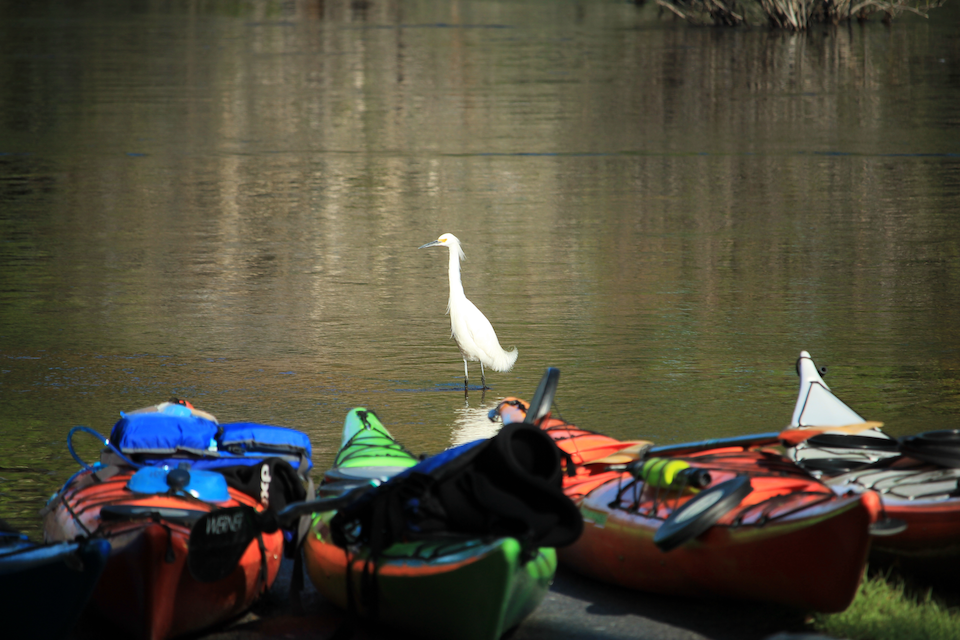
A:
431	244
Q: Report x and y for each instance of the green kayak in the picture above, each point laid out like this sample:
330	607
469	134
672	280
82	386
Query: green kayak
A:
367	450
450	587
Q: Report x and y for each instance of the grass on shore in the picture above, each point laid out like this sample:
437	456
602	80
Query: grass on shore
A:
885	609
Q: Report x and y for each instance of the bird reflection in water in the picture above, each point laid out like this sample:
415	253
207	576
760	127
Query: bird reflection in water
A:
471	424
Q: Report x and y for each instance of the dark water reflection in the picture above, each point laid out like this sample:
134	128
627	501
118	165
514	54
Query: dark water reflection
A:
223	201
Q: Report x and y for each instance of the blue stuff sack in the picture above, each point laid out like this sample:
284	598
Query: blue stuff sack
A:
171	430
259	441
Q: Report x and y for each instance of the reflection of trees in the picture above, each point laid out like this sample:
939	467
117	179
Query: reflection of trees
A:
295	155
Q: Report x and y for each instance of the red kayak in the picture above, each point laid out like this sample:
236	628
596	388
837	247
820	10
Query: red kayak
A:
146	588
709	519
164	468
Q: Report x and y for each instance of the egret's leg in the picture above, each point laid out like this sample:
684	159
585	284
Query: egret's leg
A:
483	382
465	373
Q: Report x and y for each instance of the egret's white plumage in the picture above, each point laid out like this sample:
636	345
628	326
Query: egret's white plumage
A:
472	331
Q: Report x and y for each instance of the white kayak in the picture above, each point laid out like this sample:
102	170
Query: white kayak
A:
916	476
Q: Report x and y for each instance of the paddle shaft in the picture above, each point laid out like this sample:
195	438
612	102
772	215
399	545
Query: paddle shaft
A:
756	439
293	512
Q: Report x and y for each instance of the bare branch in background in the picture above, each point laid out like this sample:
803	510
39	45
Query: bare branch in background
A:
795	15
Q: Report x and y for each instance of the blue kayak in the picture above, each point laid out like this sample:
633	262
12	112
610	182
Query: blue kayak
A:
44	587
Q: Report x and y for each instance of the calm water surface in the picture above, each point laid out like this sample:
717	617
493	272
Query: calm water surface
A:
223	201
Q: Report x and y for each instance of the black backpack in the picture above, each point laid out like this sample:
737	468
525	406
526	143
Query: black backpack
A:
509	485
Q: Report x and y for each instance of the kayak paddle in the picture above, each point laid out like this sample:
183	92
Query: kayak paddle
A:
543	396
794	436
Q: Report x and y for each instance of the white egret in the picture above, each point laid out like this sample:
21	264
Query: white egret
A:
470	328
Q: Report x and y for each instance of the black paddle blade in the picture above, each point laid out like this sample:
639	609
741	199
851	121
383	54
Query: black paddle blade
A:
218	540
701	512
543	396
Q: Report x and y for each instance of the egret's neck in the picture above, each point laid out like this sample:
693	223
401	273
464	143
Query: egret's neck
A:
456	287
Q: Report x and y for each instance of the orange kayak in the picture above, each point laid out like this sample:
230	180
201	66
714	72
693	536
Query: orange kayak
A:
145	588
752	526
